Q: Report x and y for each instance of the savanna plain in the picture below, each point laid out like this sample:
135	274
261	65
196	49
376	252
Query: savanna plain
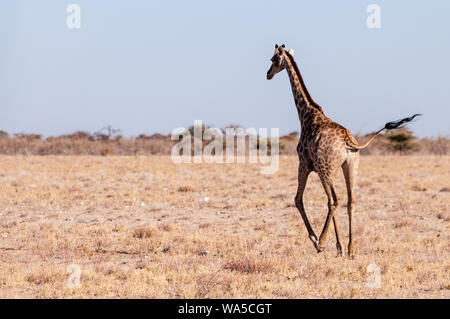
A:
144	227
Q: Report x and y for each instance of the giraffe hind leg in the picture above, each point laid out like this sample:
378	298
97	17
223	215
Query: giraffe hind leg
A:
332	206
338	241
336	228
350	168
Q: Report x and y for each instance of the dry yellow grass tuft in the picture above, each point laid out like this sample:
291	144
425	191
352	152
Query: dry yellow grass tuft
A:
144	232
144	227
185	189
247	264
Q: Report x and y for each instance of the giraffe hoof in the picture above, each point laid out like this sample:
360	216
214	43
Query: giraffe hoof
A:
339	251
316	245
320	248
351	253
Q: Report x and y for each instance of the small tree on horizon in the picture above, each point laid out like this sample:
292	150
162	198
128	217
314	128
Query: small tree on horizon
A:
107	133
401	141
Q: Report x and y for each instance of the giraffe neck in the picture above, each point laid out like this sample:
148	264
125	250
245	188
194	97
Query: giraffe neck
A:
306	107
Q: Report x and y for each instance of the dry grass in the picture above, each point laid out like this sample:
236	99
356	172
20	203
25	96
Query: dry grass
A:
145	227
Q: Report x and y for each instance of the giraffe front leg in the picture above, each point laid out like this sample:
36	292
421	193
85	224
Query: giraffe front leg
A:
303	173
323	235
311	235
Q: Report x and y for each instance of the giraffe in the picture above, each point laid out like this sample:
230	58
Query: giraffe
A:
324	147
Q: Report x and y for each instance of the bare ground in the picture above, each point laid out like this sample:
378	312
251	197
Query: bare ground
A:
145	227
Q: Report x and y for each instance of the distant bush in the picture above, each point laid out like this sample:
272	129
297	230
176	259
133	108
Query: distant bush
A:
156	136
438	146
78	135
28	136
108	142
143	137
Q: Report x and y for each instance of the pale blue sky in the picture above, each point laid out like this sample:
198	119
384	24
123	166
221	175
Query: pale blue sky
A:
152	66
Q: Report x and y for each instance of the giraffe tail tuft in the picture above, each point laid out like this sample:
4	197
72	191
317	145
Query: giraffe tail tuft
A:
400	123
353	145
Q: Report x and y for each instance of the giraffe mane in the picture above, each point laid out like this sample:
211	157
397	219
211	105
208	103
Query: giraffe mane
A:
302	83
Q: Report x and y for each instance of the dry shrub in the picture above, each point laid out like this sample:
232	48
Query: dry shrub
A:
106	151
185	189
401	223
444	216
249	265
121	275
144	232
211	282
166	227
417	188
445	190
42	277
438	146
81	143
279	196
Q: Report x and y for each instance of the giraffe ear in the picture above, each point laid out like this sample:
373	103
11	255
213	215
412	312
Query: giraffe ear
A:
291	52
276	46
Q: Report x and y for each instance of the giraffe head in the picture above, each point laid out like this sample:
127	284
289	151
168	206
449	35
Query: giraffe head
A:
278	61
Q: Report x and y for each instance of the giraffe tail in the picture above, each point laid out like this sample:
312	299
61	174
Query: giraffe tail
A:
353	144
